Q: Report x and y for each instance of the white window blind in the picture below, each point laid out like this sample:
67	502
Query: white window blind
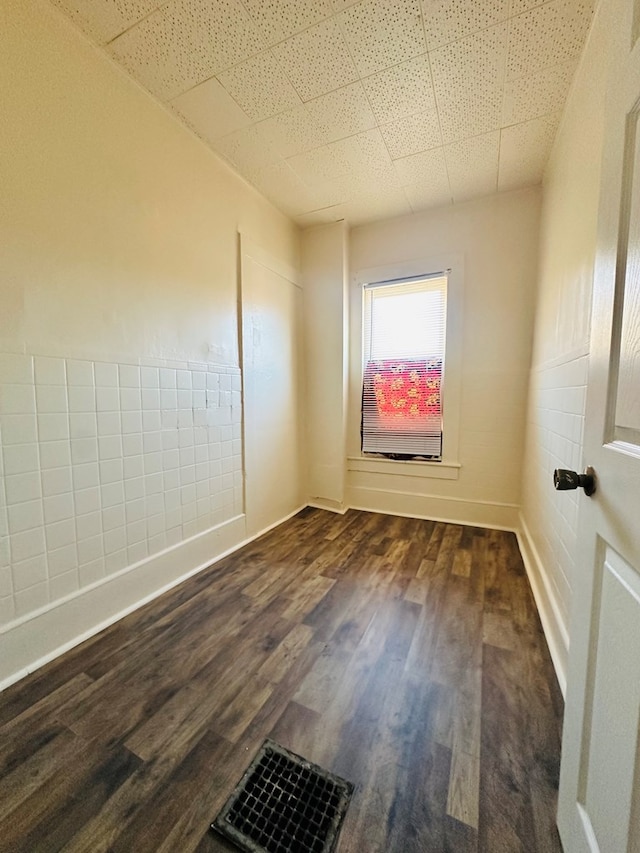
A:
404	349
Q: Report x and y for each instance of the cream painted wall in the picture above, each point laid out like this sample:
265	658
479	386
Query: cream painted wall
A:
273	373
110	208
324	265
119	234
561	341
497	238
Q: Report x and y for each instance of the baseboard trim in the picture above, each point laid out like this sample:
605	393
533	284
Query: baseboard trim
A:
555	630
329	505
42	636
498	516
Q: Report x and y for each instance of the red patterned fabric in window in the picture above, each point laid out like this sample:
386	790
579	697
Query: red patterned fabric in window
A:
406	391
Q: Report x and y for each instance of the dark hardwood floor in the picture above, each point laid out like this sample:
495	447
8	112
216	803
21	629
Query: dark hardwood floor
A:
404	655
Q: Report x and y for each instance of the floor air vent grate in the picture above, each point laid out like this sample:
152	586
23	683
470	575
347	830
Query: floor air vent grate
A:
284	804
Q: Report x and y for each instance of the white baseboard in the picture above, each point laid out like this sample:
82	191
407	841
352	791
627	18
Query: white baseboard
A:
38	638
554	626
499	516
329	505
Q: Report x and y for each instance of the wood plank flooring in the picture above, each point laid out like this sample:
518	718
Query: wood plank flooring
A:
404	655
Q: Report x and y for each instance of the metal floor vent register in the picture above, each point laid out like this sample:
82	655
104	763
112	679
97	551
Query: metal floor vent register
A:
284	804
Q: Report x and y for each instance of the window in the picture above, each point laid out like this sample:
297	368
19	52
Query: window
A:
404	350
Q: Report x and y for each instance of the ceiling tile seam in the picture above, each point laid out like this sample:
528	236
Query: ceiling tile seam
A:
320	209
165	105
475	32
224	70
110	41
353	62
294	35
435	100
502	107
485	29
535	6
284	75
528	120
573	60
366	76
411	207
208	80
412	115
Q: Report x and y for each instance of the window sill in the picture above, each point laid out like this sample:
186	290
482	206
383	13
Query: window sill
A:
405	468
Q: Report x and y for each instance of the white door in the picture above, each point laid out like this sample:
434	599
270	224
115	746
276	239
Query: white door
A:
599	803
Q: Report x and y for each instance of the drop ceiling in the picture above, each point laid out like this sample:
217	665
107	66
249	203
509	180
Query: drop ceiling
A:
336	109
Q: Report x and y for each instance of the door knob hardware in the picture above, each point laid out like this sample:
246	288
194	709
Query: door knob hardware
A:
563	480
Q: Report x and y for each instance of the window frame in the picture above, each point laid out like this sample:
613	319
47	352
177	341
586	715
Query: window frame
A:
453	265
409	439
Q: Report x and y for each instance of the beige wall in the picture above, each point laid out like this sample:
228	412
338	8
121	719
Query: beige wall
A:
561	341
324	264
119	282
495	240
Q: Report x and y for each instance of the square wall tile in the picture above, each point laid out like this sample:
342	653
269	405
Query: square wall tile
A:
84	450
58	508
90	550
92	572
106	375
62	560
53	427
23	487
79	372
25	516
28	544
82	398
129	376
16	369
85	475
113	517
83	425
20	458
88	499
51	399
19	429
109	423
57	481
30	600
50	371
88	525
17	399
60	534
112	494
63	585
111	471
149	377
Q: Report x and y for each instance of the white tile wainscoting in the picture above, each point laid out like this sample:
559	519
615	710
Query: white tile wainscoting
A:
549	519
104	465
